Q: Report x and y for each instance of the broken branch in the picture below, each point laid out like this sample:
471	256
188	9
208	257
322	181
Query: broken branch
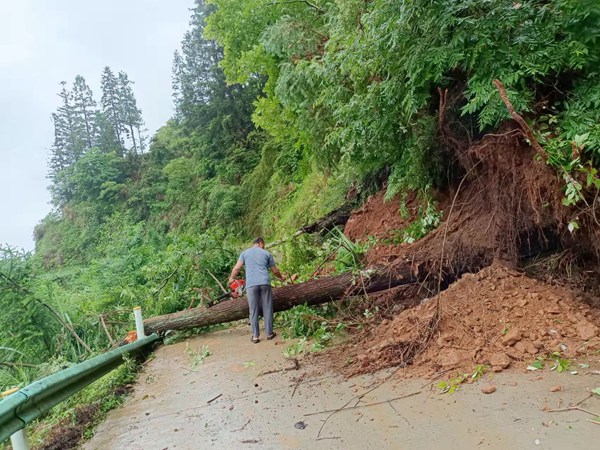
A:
294	366
213	399
534	143
365	406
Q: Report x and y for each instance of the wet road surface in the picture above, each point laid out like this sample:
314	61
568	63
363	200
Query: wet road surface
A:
295	409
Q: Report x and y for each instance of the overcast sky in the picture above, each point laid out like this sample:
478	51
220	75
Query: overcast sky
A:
45	42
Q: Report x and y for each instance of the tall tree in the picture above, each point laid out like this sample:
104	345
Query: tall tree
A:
110	105
106	139
176	74
85	106
203	100
69	144
129	113
196	69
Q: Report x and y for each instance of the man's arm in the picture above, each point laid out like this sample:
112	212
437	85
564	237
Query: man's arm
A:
277	273
235	271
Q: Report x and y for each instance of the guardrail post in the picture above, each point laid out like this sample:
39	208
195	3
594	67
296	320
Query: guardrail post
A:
18	439
139	322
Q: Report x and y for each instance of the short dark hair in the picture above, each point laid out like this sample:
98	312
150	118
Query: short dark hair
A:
259	240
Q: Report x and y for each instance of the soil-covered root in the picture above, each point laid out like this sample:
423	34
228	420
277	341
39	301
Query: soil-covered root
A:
505	205
497	317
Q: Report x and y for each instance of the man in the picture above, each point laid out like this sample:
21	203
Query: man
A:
258	261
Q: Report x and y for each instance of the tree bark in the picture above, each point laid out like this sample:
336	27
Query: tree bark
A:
336	217
311	292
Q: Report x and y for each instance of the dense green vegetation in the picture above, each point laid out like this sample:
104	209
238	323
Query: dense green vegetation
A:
281	108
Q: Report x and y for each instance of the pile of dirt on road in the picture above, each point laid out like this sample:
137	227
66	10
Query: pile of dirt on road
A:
497	317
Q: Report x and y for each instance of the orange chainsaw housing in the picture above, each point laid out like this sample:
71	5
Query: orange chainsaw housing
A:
237	287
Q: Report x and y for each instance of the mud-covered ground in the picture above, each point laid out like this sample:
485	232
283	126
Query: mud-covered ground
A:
305	409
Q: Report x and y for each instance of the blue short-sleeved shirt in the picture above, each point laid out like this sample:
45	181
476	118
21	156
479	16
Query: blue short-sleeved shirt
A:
258	262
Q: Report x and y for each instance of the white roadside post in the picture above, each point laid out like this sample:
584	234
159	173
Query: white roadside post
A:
19	438
139	322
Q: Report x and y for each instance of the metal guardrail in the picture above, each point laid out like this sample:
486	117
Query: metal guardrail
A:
29	403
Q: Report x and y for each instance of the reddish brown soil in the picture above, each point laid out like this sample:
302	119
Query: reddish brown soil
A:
507	204
379	218
496	317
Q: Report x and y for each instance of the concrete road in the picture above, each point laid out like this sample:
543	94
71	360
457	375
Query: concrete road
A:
170	407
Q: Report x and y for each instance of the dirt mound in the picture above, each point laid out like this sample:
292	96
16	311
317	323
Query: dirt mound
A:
497	317
503	206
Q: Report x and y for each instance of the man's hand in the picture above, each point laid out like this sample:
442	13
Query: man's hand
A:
231	280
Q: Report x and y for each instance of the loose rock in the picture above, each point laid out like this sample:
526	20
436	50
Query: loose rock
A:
501	360
489	389
513	336
586	330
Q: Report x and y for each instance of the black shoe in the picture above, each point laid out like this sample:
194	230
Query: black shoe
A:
255	340
271	336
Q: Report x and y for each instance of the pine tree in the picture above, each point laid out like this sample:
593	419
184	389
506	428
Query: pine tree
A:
84	106
69	144
203	100
177	71
196	73
110	105
129	113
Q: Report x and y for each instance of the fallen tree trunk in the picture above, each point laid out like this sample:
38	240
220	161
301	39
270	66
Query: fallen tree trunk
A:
311	292
336	217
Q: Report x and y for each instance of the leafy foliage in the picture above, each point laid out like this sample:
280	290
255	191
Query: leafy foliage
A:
453	384
311	325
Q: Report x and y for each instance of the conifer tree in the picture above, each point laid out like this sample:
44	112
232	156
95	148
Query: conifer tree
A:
106	139
203	100
176	73
110	105
129	113
69	143
84	106
196	72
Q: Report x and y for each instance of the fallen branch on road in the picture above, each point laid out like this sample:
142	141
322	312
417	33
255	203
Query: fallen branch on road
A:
213	399
364	406
294	366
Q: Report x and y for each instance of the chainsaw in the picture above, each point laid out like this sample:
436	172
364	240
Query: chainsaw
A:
238	288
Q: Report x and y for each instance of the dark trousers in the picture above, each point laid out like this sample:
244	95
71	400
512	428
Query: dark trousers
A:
260	296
